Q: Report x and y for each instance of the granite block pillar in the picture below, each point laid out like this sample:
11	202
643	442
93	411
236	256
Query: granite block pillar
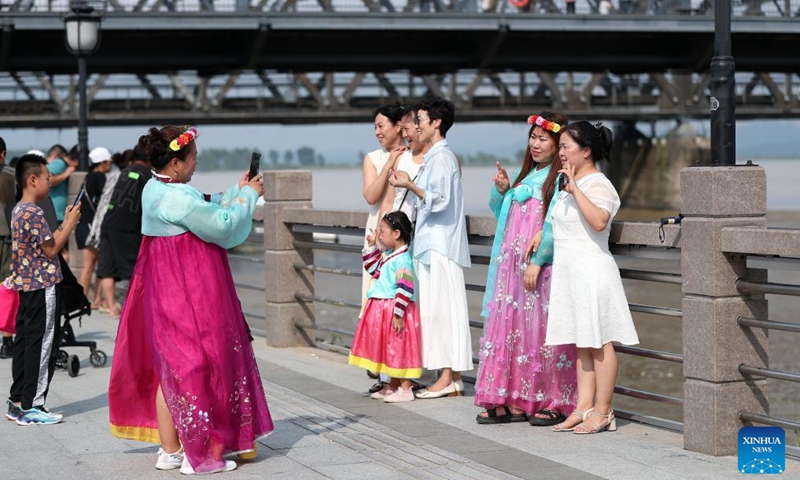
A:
714	345
286	189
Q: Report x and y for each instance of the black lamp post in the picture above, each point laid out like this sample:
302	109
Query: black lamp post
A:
82	37
723	107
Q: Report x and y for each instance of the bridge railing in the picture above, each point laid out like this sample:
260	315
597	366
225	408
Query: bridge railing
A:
742	8
769	250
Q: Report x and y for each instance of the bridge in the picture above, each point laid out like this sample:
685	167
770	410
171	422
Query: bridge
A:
298	61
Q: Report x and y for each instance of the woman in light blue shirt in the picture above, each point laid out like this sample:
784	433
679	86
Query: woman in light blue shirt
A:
440	252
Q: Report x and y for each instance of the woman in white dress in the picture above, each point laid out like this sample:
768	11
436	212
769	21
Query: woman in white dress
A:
588	306
378	165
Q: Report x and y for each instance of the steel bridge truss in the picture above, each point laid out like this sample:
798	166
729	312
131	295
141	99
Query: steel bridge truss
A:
34	99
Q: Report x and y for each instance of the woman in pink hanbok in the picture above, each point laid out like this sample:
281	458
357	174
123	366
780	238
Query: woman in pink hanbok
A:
519	378
184	373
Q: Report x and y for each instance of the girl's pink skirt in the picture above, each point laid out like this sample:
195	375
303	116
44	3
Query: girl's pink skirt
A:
378	348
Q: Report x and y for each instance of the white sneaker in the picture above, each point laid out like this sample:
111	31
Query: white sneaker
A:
187	469
400	396
169	461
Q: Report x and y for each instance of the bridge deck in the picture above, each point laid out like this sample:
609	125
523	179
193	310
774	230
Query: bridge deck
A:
136	42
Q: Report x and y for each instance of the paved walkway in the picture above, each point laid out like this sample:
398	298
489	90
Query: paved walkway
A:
327	428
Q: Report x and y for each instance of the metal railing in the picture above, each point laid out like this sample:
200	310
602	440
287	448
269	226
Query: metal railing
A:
483	240
748	287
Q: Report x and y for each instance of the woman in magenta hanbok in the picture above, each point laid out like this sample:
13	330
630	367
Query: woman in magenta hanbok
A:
519	378
184	373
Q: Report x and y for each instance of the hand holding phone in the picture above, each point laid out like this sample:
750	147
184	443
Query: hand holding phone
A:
255	165
81	193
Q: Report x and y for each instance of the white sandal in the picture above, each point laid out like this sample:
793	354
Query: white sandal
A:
583	416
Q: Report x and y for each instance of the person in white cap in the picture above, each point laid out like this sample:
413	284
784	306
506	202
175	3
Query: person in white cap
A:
100	164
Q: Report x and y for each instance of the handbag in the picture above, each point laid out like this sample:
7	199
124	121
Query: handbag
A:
9	304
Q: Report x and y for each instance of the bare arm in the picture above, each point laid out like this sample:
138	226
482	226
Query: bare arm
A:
61	177
375	182
596	217
388	200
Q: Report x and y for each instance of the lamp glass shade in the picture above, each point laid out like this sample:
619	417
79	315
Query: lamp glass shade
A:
83	34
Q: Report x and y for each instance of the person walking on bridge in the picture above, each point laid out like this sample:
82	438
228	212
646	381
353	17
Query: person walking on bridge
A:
184	373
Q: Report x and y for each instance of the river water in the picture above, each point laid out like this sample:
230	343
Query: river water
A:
341	190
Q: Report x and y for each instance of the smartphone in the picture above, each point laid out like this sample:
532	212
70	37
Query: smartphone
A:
79	197
255	165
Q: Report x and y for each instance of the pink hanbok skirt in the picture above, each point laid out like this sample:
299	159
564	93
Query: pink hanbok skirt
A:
516	368
182	328
378	348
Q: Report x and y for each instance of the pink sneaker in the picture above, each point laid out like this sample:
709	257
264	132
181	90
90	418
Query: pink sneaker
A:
400	396
382	394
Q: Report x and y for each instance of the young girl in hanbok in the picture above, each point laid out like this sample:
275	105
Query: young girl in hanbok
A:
184	373
387	339
520	378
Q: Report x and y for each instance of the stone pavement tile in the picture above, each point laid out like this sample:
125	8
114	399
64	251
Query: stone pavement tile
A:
469	470
278	467
362	471
527	466
288	435
324	455
348	440
460	445
396	460
415	426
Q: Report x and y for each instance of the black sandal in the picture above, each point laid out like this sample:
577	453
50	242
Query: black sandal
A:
492	418
553	418
416	386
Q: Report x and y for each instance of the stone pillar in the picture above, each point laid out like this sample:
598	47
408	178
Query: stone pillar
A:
285	189
713	344
75	181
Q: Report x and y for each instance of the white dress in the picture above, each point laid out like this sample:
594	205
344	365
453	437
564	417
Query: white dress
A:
407	206
378	159
588	306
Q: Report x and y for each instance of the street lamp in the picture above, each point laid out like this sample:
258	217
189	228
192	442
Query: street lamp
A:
82	37
723	83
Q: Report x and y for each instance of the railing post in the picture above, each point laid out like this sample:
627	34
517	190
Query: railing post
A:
713	344
286	189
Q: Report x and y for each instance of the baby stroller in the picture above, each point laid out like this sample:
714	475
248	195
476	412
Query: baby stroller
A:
74	304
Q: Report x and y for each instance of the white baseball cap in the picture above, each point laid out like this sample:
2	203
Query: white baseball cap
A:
100	155
36	152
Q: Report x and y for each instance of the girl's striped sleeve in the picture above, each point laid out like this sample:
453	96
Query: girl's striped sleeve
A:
404	291
371	257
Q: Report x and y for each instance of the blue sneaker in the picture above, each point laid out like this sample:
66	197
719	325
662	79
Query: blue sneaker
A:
14	411
39	416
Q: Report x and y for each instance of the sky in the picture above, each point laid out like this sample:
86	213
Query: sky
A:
341	143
